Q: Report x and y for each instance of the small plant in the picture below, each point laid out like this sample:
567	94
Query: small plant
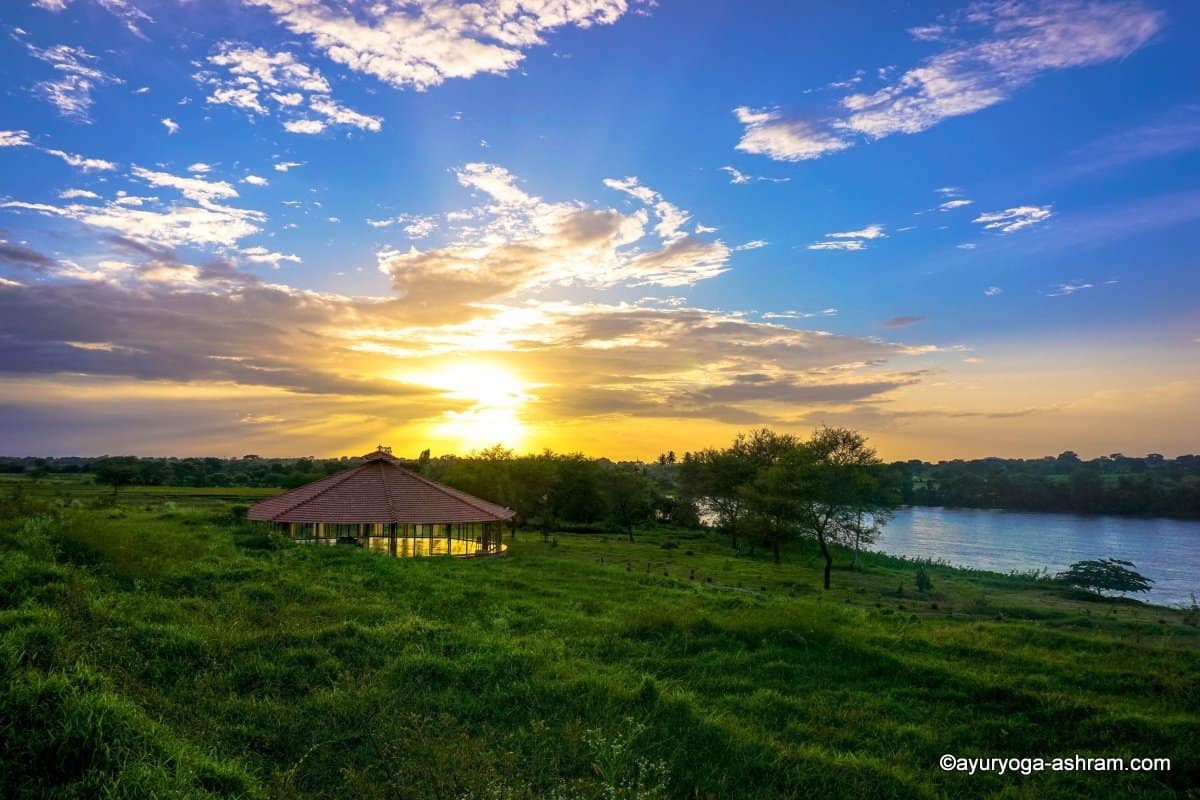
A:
924	584
1191	615
621	773
669	545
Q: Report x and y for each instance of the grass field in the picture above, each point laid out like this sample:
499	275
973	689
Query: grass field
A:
160	648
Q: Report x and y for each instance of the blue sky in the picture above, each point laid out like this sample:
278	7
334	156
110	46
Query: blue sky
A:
299	226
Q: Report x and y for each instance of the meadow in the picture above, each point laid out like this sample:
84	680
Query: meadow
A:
161	647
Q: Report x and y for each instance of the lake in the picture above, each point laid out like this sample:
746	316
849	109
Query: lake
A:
1166	550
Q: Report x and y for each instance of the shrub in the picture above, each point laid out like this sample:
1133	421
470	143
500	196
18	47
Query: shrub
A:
924	584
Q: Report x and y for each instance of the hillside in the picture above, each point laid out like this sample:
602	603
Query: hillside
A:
161	648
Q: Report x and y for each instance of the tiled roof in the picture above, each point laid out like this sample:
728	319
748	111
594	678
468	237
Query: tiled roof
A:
377	491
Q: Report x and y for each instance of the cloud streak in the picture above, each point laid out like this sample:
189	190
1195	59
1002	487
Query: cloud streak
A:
1015	43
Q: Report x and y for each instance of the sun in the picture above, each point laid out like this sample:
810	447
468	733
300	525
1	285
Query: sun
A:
497	396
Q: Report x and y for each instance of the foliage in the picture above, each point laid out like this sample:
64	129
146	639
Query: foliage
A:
1113	484
630	498
116	471
1105	575
823	488
923	581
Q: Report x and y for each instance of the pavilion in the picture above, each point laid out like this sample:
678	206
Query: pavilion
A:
384	507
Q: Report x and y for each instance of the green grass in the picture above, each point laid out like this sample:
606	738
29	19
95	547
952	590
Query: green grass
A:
161	649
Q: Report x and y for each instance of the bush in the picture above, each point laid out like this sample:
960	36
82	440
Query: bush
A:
924	584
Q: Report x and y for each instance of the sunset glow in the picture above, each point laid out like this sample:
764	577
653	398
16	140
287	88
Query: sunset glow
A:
290	234
497	399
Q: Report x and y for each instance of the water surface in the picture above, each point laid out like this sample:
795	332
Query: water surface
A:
1166	550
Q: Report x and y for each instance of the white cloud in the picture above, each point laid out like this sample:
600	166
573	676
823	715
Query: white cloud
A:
288	99
435	42
966	246
415	225
200	168
850	240
738	177
844	244
284	166
869	232
261	255
77	194
309	126
192	188
671	218
1013	43
769	134
340	115
130	14
71	90
992	291
83	163
1014	219
171	125
1064	289
420	227
751	245
735	176
14	139
950	205
133	200
517	241
206	223
252	72
255	180
142	90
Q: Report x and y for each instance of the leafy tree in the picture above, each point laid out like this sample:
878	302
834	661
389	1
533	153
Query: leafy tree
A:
828	488
535	486
116	471
1105	575
630	498
720	478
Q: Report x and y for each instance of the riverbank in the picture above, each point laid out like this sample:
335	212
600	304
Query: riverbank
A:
161	648
1165	550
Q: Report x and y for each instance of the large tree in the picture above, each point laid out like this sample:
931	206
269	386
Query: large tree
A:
630	498
830	488
719	478
116	471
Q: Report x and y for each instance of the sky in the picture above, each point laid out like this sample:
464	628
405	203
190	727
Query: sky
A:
620	227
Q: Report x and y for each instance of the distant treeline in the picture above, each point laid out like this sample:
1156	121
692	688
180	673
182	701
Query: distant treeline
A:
1115	484
573	490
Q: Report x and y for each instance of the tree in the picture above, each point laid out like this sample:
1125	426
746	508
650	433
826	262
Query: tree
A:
630	498
116	471
720	478
829	488
535	485
774	502
1105	575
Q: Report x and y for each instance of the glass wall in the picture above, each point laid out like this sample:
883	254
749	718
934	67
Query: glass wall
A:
405	540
